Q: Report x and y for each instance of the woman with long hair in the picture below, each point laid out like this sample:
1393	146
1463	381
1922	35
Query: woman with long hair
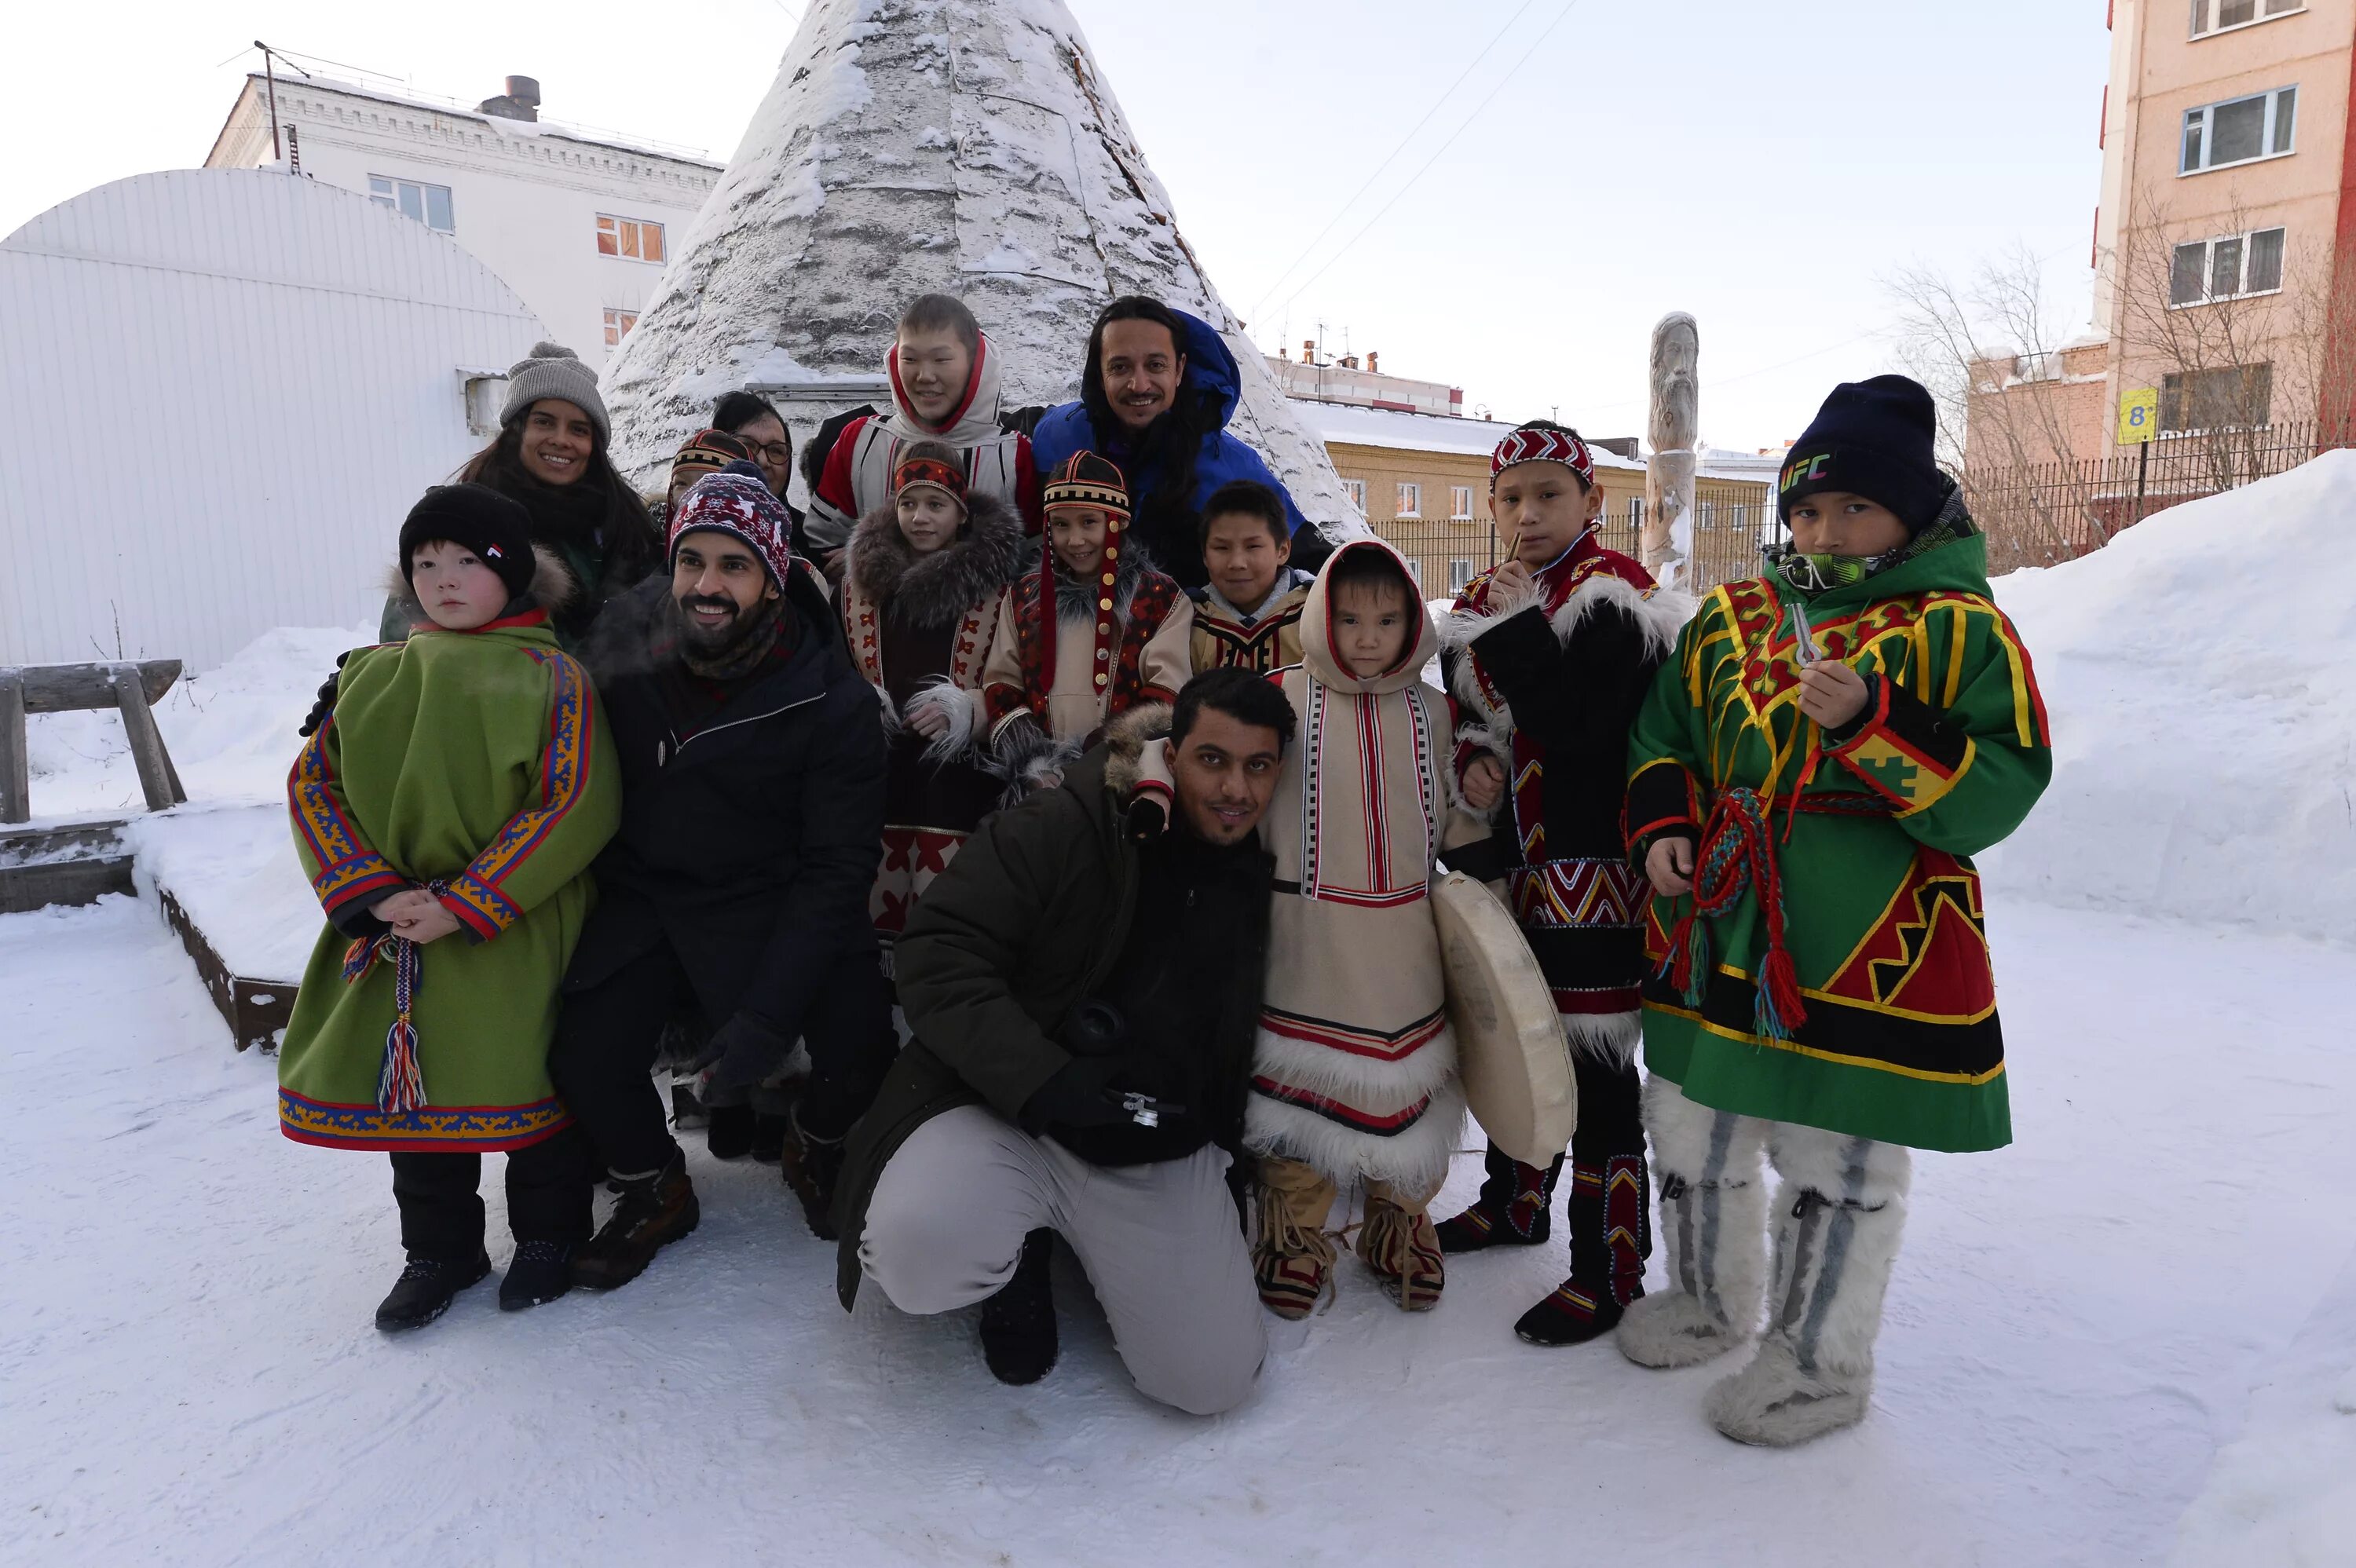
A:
552	456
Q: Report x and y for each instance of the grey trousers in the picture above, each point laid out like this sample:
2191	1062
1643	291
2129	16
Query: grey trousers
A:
1161	1244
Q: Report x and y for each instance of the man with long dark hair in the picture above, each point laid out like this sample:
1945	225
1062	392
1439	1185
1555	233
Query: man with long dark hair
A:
1155	398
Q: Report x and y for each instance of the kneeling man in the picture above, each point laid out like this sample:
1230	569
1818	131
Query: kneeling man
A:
1084	984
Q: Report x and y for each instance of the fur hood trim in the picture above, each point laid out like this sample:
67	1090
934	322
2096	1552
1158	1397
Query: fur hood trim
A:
553	586
1125	741
1660	613
1077	601
935	590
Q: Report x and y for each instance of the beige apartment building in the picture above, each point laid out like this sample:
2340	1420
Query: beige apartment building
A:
2225	243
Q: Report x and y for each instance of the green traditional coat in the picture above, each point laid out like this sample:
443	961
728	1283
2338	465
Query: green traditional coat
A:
1868	841
475	760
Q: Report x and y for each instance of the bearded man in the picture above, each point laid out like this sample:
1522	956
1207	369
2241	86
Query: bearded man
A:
736	890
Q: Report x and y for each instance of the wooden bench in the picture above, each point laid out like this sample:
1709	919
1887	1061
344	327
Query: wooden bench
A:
132	689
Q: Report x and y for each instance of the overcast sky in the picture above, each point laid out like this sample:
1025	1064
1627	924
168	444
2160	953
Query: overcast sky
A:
1763	166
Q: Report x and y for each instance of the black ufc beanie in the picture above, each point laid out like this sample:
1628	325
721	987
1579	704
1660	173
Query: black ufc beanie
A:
1872	439
475	517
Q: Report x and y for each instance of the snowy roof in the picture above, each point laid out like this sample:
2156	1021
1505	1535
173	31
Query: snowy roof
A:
586	135
1349	426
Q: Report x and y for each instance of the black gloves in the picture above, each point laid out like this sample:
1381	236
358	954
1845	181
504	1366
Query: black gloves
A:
326	703
740	1054
1099	1092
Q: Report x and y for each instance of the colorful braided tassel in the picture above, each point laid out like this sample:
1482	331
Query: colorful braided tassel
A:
1737	855
401	1081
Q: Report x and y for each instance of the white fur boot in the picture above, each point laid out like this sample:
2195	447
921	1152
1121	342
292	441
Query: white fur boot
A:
1713	1222
1838	1216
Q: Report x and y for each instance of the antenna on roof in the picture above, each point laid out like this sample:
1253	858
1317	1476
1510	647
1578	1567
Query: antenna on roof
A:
270	79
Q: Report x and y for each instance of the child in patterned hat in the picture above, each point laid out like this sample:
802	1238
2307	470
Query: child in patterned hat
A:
925	579
1826	748
1548	655
1094	632
459	787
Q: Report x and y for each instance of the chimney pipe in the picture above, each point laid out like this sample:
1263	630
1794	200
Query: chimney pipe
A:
1374	366
525	91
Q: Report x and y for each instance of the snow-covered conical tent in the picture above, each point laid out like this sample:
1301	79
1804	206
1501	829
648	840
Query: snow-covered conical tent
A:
965	147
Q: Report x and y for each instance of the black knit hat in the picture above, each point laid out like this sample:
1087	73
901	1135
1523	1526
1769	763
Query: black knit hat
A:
475	518
1872	439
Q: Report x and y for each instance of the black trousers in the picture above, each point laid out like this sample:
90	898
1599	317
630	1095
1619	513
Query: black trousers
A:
1611	1110
609	1034
442	1201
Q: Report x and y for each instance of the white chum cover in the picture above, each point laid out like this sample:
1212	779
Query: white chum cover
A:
969	148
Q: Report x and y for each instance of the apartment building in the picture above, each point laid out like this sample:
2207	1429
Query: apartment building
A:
580	223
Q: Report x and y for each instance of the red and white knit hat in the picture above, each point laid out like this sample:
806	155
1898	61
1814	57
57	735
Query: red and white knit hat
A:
1543	446
736	500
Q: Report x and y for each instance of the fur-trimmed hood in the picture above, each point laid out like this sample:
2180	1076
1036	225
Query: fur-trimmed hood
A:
554	587
1125	740
935	590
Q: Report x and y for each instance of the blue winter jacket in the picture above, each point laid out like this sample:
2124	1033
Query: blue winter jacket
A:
1066	428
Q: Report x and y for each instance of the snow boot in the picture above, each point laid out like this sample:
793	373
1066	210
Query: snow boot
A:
538	1274
1018	1324
768	1137
1714	1222
1292	1258
812	1166
1611	1237
1397	1241
729	1134
425	1289
1835	1243
652	1211
1513	1210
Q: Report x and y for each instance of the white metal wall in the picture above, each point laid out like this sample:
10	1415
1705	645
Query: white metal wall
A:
220	390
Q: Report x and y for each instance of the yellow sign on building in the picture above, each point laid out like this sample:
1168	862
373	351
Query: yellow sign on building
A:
2138	416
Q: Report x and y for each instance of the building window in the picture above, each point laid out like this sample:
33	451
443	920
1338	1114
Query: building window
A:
2228	267
2240	130
2234	397
1460	572
1356	490
1415	573
1459	503
618	324
429	204
629	239
1410	500
2216	15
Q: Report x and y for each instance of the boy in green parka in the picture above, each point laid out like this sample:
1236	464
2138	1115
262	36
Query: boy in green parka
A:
459	788
1827	746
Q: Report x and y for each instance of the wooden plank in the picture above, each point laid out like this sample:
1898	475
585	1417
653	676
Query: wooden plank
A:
157	778
84	881
78	841
71	687
257	1011
16	760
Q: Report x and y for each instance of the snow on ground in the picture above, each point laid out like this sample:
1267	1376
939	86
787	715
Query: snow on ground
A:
2074	1327
2130	1338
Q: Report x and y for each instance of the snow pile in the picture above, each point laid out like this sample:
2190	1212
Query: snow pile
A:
230	731
233	872
2204	725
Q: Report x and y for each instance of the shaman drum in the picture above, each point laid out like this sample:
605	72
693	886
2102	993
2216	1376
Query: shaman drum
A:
1509	1043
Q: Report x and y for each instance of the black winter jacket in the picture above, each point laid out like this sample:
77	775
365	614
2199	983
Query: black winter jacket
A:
1026	923
750	845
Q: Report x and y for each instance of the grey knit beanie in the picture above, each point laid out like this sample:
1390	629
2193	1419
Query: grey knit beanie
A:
552	371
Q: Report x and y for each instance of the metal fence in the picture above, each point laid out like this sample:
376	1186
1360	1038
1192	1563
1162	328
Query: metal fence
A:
1731	523
2044	513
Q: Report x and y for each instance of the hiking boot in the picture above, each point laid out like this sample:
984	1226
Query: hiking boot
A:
425	1289
730	1135
652	1211
1513	1210
812	1167
1018	1324
538	1274
1292	1257
1398	1242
